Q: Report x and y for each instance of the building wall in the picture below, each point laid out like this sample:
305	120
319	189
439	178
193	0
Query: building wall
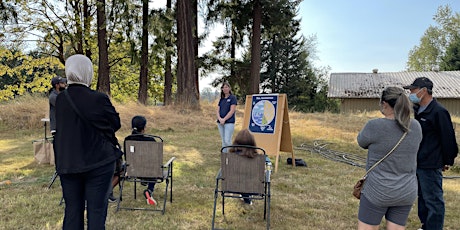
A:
351	105
452	105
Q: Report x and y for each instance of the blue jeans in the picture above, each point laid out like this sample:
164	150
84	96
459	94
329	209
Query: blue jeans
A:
430	198
90	187
226	133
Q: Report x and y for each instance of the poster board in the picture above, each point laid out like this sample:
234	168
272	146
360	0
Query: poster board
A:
266	117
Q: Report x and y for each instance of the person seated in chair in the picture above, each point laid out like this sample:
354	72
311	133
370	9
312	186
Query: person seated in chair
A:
244	137
138	124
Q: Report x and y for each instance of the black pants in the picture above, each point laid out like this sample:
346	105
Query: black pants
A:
91	188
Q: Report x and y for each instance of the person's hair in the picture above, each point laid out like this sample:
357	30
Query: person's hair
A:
397	99
138	124
244	137
79	70
222	94
429	91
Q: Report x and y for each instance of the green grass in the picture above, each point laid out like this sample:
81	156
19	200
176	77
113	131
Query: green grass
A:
313	197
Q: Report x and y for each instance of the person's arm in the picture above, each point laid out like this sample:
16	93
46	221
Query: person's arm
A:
52	99
112	115
364	137
104	116
449	146
230	113
232	109
219	119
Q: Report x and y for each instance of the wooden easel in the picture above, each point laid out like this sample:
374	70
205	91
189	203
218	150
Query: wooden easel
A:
266	117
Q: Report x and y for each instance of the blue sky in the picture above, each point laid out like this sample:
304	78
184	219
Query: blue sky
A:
360	35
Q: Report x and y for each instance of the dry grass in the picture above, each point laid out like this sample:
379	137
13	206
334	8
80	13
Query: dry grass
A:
316	197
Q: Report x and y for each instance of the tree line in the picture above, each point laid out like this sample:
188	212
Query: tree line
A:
149	53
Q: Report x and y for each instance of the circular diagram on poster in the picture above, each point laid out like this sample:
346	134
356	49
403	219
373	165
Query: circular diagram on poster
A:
263	113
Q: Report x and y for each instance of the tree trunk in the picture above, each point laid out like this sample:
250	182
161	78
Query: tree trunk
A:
186	82
168	73
103	79
195	45
233	51
255	48
79	36
143	80
87	28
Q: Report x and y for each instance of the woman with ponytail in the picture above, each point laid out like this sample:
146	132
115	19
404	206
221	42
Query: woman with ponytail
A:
391	188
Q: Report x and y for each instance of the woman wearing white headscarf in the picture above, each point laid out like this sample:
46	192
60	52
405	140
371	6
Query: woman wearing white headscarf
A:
85	149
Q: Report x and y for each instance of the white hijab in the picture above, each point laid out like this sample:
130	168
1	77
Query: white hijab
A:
79	70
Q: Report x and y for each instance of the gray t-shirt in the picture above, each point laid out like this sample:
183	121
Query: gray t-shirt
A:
393	182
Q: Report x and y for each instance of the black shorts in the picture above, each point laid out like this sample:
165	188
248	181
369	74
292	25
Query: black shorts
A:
372	214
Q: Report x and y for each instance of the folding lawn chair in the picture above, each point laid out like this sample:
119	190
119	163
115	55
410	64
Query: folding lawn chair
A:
243	175
144	164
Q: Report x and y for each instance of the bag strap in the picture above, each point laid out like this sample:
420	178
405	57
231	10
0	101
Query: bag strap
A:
84	118
388	154
75	108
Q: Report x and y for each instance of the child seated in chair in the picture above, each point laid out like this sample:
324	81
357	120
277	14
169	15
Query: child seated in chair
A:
138	124
244	137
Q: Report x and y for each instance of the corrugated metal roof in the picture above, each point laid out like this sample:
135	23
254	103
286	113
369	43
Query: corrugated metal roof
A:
370	85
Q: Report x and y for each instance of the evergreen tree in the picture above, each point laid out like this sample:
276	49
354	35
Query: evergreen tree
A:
143	82
168	78
103	76
235	15
286	60
186	78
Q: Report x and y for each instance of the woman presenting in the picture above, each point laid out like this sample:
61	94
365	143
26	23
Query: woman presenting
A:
226	114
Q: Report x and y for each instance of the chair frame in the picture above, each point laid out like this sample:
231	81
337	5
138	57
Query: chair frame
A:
166	171
265	195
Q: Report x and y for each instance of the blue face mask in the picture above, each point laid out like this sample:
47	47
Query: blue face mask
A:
413	97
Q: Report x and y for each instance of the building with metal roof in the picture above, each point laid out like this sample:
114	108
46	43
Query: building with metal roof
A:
360	92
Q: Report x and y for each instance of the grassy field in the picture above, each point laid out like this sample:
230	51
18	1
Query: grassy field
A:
313	197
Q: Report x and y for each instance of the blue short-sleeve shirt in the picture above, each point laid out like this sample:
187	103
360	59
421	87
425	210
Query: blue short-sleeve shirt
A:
224	107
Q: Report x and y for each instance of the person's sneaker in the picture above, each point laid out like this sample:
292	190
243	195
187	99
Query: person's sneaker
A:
112	198
149	198
247	201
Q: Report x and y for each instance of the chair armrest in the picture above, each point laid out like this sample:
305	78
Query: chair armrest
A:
268	175
169	162
219	174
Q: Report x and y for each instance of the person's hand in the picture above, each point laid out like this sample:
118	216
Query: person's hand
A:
222	121
445	168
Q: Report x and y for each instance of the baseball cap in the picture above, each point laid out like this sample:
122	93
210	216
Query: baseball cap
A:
421	82
56	80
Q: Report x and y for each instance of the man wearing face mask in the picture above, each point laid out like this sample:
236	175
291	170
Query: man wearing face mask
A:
58	84
436	153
